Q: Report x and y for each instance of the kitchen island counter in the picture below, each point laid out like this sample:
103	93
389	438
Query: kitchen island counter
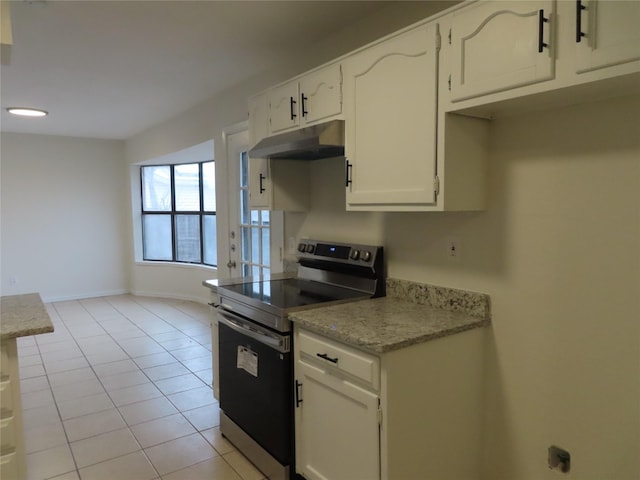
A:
20	316
23	315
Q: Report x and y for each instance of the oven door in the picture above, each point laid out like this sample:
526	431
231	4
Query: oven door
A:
256	382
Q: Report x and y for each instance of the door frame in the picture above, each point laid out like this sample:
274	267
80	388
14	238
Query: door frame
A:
227	176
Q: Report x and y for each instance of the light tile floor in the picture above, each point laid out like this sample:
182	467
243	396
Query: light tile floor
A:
122	390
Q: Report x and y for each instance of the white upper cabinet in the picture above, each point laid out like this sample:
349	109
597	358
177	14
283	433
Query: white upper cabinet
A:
607	33
501	45
321	94
273	185
390	121
306	100
279	184
283	107
502	57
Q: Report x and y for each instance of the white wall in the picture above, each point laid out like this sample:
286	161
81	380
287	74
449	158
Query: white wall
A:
558	251
63	217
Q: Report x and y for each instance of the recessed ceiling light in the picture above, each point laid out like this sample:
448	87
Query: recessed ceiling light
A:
27	112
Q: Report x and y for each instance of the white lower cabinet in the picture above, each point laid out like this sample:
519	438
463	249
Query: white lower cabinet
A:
412	413
12	454
335	417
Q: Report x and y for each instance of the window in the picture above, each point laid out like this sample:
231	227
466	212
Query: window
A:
255	225
179	213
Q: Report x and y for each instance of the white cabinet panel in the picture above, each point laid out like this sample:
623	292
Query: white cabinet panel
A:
607	33
321	94
259	183
311	98
501	45
279	184
335	417
12	453
283	107
390	121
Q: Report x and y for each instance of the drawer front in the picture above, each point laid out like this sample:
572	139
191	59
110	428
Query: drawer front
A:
5	366
7	431
340	357
9	466
6	399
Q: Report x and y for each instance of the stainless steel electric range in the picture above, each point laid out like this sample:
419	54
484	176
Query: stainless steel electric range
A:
255	344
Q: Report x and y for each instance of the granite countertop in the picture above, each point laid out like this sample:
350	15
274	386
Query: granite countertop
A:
411	313
23	315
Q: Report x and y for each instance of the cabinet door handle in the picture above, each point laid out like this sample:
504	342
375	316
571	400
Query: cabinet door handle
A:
292	106
541	22
327	357
579	32
348	174
303	107
298	396
262	177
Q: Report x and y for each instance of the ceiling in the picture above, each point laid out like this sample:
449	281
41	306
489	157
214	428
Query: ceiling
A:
111	69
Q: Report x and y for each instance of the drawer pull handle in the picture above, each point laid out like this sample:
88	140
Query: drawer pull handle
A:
541	22
579	32
327	357
298	396
262	178
292	106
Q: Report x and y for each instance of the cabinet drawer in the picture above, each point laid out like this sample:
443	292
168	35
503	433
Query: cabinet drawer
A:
5	367
343	358
9	465
7	431
6	400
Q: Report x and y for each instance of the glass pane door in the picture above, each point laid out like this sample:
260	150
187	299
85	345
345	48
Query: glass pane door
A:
255	228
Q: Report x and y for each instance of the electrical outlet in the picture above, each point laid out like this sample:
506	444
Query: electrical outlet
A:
292	245
559	459
12	281
454	246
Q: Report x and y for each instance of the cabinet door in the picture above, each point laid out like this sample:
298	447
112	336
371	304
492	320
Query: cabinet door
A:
390	120
501	45
258	118
607	33
321	94
283	107
260	192
337	430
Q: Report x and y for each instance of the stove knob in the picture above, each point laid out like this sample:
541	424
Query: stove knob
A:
355	254
366	255
310	248
302	247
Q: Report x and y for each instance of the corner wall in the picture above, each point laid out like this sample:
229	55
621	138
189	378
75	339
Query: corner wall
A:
558	252
63	217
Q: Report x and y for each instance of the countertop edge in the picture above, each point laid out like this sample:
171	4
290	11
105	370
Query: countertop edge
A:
22	316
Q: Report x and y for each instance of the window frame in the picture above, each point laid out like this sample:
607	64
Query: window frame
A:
173	213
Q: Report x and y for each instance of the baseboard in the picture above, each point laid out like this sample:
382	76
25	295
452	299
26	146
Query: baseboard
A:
67	298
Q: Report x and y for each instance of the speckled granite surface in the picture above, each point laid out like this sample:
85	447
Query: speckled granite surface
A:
23	315
405	317
472	303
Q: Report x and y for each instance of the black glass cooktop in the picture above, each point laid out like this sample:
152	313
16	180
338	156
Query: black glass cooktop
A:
292	293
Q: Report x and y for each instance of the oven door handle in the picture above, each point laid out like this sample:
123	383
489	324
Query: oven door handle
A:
278	342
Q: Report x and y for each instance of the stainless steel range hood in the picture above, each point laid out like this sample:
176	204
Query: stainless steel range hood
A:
325	140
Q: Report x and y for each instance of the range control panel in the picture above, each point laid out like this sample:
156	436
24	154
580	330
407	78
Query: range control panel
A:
354	254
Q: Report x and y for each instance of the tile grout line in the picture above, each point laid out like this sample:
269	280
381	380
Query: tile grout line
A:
99	323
